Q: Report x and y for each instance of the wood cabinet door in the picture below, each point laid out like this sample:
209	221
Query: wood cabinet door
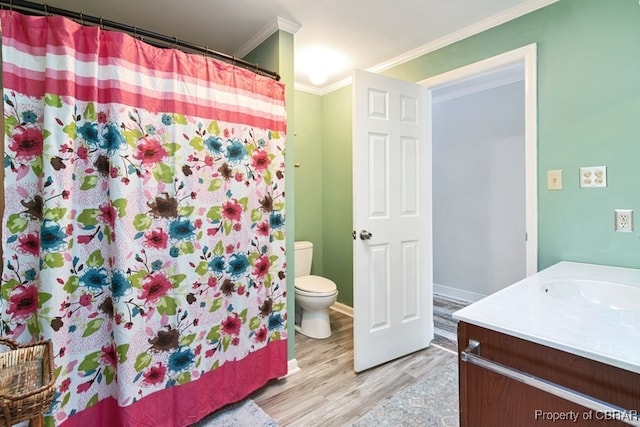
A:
491	399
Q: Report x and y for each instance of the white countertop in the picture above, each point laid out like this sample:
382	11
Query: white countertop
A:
524	310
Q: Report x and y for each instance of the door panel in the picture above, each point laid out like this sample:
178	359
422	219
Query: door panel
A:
410	177
392	201
411	273
377	188
380	288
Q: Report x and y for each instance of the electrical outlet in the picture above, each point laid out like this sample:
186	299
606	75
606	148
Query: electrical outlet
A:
623	220
594	176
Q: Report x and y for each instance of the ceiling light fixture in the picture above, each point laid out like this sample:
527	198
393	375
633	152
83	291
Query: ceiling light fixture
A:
319	62
318	76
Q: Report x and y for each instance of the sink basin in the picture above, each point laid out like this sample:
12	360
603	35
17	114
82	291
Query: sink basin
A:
612	296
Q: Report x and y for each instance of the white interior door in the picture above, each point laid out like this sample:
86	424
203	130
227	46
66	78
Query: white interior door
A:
393	274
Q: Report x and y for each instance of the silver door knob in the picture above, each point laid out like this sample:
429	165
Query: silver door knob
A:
365	235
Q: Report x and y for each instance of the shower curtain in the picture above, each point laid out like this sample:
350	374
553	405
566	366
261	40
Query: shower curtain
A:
143	230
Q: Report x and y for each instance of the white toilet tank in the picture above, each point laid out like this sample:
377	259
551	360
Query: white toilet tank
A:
303	257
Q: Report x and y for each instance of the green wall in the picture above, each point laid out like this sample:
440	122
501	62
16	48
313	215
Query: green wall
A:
323	184
337	209
309	174
276	53
588	115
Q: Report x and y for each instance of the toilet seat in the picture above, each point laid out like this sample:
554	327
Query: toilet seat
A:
315	286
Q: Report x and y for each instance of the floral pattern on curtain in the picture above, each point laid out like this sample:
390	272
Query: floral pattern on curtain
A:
143	231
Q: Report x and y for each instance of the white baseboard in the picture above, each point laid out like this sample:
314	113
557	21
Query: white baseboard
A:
342	308
457	293
446	291
292	368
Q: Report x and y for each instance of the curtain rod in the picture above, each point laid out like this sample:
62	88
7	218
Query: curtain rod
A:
160	39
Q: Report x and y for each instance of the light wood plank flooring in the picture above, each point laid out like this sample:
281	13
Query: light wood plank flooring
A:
327	392
446	327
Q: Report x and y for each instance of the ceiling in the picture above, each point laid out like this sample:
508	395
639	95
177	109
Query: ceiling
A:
366	34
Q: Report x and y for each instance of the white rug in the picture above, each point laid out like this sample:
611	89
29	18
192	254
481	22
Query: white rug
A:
242	414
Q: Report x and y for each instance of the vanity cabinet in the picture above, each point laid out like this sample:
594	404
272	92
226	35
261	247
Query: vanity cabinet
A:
491	399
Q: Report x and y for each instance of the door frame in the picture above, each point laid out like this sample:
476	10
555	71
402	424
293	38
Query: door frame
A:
526	56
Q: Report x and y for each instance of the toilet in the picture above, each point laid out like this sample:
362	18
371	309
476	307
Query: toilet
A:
314	295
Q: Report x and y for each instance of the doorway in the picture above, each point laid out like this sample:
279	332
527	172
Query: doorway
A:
484	175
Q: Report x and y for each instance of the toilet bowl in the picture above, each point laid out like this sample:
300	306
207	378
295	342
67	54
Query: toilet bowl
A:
313	294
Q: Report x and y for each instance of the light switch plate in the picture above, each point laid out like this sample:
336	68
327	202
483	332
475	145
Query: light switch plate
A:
593	176
554	179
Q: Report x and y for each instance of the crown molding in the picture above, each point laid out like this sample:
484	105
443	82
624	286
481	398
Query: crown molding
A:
274	25
309	89
289	26
338	85
471	30
325	89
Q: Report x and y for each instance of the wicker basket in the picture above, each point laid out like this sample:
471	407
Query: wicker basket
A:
27	382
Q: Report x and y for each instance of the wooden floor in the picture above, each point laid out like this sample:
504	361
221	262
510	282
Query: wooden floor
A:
327	391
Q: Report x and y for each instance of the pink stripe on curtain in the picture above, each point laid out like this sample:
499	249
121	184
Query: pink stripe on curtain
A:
55	33
120	50
72	87
189	403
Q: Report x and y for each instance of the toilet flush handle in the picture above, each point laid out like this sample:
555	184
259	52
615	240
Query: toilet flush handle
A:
365	235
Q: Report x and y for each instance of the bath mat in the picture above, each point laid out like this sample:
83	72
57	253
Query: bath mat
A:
242	414
431	401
